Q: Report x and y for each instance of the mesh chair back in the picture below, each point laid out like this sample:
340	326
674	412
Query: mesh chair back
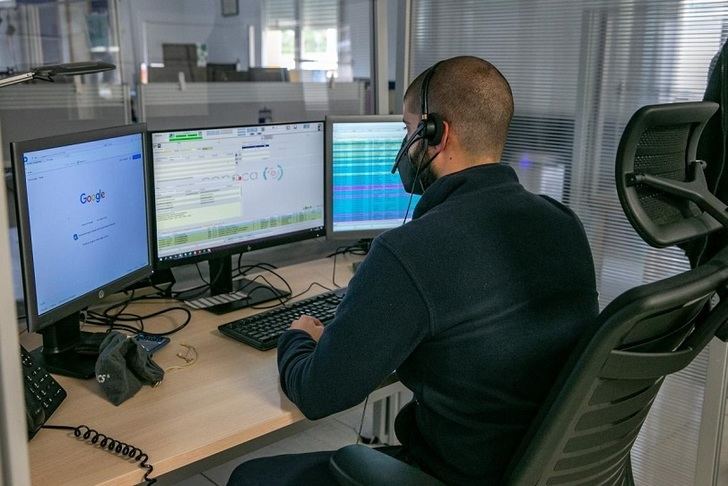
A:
659	145
584	432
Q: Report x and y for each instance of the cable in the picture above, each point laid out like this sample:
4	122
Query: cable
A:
415	137
288	299
269	270
140	319
199	272
333	271
112	445
409	201
420	165
124	305
117	320
361	422
113	326
361	247
263	265
201	288
277	295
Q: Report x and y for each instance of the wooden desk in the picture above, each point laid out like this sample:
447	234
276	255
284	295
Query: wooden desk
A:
230	396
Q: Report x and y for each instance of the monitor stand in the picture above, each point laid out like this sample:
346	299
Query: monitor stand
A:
61	342
221	282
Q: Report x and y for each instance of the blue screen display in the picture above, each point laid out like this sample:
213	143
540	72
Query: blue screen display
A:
88	217
366	195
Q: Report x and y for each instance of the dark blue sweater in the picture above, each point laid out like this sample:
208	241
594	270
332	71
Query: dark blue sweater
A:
476	303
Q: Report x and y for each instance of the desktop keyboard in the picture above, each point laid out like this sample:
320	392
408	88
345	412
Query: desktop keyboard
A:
43	394
261	331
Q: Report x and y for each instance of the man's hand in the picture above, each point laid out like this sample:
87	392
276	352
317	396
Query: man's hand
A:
311	325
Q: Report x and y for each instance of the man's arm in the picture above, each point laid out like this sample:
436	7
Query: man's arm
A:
380	321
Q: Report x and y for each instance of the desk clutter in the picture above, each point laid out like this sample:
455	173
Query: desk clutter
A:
124	366
153	201
193	387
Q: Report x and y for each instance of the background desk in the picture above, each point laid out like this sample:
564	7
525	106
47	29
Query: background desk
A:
229	397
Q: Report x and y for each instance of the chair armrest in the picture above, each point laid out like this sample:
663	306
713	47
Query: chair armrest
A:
357	465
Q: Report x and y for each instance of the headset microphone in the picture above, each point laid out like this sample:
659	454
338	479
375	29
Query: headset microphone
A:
406	144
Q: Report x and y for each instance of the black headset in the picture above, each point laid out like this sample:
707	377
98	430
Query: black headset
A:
430	128
431	122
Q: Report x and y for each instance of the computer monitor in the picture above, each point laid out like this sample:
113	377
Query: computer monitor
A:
222	191
363	197
83	205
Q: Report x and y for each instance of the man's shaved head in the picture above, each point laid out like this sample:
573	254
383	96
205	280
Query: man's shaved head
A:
473	97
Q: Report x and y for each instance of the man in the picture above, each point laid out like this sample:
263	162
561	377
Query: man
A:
476	302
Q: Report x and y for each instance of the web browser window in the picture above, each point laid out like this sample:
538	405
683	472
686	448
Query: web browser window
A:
88	218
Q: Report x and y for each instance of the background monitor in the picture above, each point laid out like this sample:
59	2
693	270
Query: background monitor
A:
363	197
220	191
84	227
268	74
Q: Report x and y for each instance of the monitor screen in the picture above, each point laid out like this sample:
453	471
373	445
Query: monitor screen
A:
364	197
222	190
83	217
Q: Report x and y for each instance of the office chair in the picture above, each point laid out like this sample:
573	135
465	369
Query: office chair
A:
268	74
585	430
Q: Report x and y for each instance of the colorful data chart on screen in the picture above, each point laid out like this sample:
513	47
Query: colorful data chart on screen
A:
366	195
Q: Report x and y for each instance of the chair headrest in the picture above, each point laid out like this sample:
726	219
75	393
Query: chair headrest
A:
660	185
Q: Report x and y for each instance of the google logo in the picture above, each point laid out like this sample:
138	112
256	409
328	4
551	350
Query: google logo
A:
89	198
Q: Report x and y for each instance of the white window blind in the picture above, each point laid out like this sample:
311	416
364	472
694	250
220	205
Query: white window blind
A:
313	14
319	14
579	69
279	14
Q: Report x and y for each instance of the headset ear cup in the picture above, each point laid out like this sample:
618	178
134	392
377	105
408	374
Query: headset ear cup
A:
434	129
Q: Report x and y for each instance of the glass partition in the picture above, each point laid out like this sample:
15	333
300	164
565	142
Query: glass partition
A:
53	32
274	61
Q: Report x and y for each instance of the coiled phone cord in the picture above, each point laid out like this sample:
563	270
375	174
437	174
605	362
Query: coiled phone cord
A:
112	445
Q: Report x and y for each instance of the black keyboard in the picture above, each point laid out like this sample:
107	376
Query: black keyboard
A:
41	386
261	331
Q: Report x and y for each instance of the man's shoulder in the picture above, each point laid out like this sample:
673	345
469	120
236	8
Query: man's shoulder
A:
403	237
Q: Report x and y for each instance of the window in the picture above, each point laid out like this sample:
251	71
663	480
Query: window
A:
303	35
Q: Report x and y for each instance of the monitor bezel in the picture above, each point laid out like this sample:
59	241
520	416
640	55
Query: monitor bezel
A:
329	169
36	321
233	248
